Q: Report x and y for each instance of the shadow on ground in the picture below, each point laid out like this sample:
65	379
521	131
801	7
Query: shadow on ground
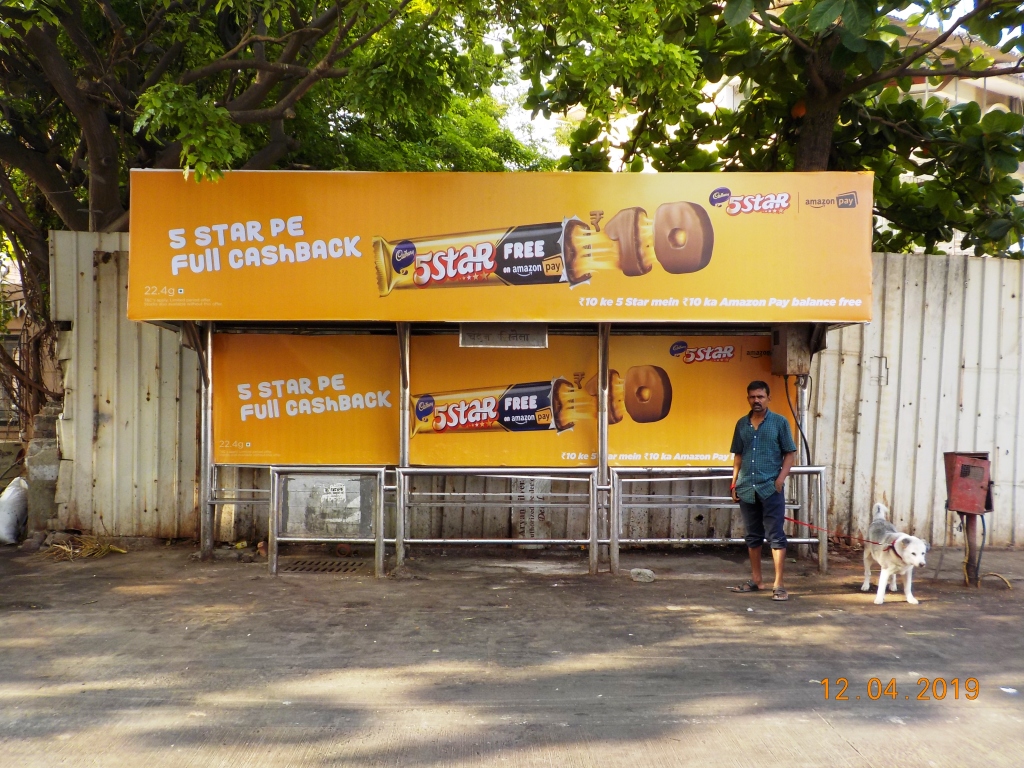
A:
149	657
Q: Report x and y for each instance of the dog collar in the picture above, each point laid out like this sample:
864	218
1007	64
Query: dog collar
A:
893	548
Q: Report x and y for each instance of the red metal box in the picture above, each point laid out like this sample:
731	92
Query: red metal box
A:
967	486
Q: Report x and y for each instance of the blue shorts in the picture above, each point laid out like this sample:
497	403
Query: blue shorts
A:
763	521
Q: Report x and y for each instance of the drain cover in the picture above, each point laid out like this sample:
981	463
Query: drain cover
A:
333	565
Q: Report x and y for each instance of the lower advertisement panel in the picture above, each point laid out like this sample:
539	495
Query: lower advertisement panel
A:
334	400
285	399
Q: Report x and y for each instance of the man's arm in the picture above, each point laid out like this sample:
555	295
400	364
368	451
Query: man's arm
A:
787	464
737	461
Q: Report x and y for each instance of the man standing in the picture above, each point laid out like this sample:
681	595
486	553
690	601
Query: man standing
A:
764	452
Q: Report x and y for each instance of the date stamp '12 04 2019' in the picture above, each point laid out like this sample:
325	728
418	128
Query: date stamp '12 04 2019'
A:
929	689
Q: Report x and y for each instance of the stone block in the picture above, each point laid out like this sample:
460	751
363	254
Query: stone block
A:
41	464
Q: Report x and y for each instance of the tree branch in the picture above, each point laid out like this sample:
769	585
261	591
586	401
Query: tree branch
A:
17	222
72	26
283	108
918	53
963	73
162	66
280	144
120	224
45	175
238	65
254	95
104	201
333	57
111	16
9	363
781	29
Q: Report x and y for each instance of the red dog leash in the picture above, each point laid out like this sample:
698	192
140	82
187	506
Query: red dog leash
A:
856	538
842	535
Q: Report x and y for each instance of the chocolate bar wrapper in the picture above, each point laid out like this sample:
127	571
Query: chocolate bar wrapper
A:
527	255
526	407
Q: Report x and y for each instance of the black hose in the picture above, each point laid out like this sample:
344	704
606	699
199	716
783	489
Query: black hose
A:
16	463
981	550
799	426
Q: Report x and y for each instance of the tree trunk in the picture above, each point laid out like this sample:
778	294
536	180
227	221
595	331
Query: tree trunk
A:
815	143
824	98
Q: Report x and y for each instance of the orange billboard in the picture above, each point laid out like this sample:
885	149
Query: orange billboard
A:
673	400
287	399
555	247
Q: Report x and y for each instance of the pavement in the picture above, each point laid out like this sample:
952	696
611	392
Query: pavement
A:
478	659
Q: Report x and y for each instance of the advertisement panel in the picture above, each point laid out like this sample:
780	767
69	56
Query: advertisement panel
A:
503	407
571	247
674	400
282	399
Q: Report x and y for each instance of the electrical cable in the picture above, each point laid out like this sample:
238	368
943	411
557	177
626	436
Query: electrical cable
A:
978	575
799	426
967	555
981	551
17	461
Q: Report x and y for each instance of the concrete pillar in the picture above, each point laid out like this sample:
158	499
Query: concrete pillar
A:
42	460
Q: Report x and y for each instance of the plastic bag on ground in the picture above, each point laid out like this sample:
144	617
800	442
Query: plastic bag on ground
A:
13	511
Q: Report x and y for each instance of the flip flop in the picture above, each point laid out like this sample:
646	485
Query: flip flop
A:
780	595
748	586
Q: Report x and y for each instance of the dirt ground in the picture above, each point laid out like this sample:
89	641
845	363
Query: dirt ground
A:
153	659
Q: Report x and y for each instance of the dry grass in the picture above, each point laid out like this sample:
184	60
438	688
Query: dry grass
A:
78	547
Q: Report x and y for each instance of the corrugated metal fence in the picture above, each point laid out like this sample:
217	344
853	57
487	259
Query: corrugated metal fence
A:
939	369
128	434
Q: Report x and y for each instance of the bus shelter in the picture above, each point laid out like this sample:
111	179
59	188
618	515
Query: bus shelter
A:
557	355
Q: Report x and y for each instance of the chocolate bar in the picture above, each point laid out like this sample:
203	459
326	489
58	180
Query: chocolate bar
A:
529	407
527	255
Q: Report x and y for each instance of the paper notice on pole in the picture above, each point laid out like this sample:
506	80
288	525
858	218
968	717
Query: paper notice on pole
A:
530	522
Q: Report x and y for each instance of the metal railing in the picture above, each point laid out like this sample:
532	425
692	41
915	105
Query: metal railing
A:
409	500
810	507
285	530
291	487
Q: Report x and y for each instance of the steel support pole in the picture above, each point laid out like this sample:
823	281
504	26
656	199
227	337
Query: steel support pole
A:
592	546
403	441
274	521
207	510
803	484
603	332
616	524
378	528
822	524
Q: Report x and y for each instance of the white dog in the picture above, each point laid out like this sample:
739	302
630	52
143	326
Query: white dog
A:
896	552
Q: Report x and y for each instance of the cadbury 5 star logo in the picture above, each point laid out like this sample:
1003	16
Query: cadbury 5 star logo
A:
772	202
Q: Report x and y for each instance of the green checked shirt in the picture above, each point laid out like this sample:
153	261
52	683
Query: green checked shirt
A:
762	450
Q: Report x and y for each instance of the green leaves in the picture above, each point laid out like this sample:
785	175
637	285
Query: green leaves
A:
1006	122
210	140
614	61
858	16
737	11
824	14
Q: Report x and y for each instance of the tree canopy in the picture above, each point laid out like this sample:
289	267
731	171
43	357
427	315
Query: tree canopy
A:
826	87
90	90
